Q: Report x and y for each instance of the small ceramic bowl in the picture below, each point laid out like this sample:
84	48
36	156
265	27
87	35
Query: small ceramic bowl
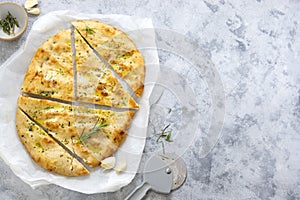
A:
19	13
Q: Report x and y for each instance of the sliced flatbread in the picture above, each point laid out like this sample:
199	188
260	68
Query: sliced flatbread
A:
95	82
79	128
117	49
50	72
44	150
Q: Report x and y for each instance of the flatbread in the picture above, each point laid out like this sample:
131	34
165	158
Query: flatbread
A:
95	82
117	49
58	134
69	123
50	72
44	150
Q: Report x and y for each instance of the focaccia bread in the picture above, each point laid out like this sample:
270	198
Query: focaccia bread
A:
74	109
117	49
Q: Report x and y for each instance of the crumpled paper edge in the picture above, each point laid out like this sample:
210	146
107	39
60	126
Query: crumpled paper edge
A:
44	28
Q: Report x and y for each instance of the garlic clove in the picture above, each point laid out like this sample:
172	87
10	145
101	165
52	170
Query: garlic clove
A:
108	163
121	166
34	11
30	4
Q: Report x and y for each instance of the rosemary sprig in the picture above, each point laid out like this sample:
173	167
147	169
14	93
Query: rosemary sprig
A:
164	134
88	30
8	24
95	129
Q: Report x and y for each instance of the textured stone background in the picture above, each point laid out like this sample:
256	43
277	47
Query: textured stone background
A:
255	46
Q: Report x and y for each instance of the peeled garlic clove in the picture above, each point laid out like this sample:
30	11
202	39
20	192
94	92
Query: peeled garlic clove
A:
34	11
108	163
30	4
121	166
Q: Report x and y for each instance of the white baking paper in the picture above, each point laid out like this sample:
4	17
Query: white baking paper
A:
11	77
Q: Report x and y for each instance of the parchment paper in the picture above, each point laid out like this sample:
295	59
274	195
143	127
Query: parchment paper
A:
11	77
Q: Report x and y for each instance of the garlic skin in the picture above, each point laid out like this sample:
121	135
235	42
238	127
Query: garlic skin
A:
30	4
121	166
34	11
108	163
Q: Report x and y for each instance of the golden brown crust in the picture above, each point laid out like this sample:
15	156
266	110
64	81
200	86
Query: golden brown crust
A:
50	72
139	90
116	48
44	150
95	83
133	79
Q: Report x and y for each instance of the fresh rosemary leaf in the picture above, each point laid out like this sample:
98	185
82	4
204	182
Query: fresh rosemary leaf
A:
164	134
163	146
168	137
164	129
95	129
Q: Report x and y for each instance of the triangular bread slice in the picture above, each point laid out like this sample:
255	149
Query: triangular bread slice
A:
95	82
71	125
44	150
50	72
117	49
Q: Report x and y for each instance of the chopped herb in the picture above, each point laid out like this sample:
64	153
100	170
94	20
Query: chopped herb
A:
46	93
61	71
37	144
49	107
8	24
65	141
88	30
95	129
